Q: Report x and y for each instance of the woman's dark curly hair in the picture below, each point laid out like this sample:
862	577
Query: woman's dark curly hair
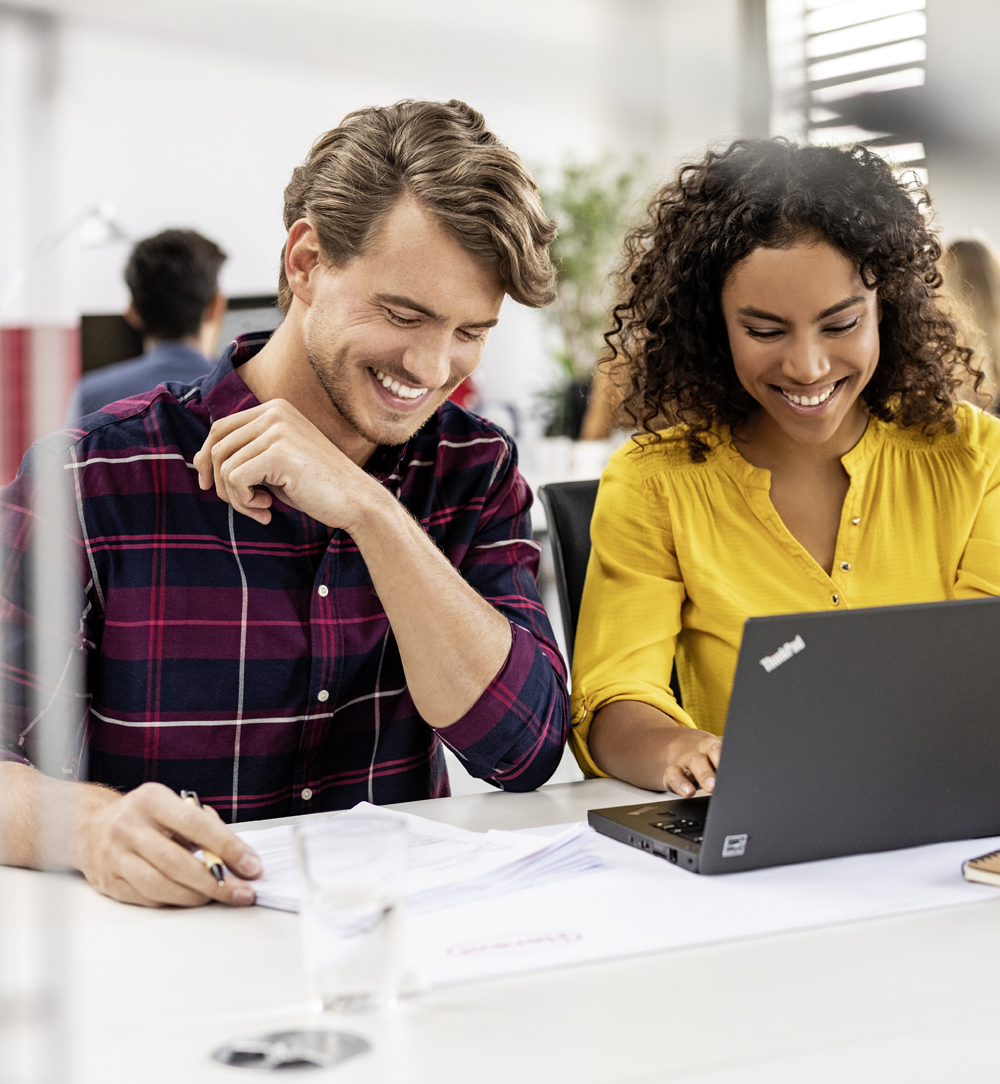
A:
669	349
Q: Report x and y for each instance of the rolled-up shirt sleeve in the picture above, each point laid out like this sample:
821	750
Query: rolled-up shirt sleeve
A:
513	736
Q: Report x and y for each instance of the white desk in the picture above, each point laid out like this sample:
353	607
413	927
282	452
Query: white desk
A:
150	993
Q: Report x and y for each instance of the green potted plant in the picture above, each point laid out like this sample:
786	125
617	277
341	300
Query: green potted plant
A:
594	204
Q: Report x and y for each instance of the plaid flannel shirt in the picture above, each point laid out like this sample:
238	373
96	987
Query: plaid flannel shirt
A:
255	664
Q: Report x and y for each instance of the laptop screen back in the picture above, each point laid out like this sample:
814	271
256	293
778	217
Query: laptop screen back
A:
861	730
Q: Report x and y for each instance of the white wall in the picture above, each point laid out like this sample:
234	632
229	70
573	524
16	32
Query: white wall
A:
963	86
194	113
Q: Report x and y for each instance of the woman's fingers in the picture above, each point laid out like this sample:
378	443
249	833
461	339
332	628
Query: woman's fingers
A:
693	761
678	781
702	770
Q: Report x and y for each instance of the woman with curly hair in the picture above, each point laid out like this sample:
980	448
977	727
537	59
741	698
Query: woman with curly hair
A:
785	354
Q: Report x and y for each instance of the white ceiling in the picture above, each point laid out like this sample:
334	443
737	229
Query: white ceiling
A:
357	37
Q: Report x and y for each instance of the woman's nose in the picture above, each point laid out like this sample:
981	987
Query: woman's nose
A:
806	363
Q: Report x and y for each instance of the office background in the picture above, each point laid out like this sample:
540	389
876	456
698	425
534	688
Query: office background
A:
118	119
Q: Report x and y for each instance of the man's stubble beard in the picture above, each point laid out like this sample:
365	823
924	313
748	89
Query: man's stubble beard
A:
335	380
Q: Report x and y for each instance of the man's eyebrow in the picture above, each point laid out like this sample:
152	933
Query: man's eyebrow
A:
760	314
409	303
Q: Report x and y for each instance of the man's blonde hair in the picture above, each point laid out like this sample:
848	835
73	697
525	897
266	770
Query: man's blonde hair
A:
443	154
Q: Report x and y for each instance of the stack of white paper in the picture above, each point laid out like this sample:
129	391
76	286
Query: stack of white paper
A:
445	865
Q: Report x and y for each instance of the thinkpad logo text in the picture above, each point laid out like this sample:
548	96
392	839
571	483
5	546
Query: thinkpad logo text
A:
783	654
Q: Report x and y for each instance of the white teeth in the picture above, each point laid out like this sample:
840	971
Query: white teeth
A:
807	400
401	391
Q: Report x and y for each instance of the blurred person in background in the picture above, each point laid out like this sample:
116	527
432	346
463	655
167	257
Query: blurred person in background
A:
604	413
971	272
298	576
780	308
173	279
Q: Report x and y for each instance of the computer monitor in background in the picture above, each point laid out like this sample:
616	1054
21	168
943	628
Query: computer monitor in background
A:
243	314
105	339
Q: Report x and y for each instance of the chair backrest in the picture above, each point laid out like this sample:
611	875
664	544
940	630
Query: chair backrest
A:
568	508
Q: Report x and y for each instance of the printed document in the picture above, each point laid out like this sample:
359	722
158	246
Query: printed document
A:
445	866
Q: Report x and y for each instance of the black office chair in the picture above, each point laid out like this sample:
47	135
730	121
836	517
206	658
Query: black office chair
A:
569	507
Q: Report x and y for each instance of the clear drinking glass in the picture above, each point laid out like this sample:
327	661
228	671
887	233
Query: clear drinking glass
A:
350	881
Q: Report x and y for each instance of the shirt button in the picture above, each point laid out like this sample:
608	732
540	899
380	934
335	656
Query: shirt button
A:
323	590
845	565
836	599
306	794
856	520
323	695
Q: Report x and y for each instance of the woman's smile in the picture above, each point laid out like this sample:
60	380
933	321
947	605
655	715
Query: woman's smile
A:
803	332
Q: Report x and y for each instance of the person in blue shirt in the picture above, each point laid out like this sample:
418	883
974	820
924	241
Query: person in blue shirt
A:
176	306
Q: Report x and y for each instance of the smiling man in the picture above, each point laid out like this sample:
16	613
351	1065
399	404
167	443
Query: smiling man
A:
301	575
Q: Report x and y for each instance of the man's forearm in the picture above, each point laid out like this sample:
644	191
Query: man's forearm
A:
42	819
452	641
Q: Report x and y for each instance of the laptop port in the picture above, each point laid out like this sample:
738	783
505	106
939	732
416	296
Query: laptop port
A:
673	855
647	844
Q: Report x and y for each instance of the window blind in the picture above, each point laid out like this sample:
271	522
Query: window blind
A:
856	47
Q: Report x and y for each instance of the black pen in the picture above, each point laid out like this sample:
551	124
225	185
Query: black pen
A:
213	863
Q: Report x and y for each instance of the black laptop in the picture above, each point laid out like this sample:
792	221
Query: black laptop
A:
848	731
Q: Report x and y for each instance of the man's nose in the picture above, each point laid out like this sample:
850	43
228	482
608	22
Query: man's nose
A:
428	359
806	362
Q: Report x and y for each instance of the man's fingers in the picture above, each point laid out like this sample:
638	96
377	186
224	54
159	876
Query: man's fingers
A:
221	430
153	885
241	474
240	465
117	888
206	830
178	864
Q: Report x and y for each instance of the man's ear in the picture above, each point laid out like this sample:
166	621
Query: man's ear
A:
133	319
215	310
302	259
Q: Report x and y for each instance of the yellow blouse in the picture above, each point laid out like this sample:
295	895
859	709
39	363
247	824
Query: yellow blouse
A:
684	552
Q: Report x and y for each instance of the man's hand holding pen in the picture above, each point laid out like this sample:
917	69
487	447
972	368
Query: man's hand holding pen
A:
138	848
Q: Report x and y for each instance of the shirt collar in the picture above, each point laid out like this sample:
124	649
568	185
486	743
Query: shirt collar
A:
224	392
855	460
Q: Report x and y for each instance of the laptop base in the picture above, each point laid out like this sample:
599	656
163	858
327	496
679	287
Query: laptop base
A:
670	830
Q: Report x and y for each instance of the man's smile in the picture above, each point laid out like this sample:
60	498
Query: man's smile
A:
396	387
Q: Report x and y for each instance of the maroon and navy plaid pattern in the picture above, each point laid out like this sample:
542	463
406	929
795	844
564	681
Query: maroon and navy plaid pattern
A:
215	659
